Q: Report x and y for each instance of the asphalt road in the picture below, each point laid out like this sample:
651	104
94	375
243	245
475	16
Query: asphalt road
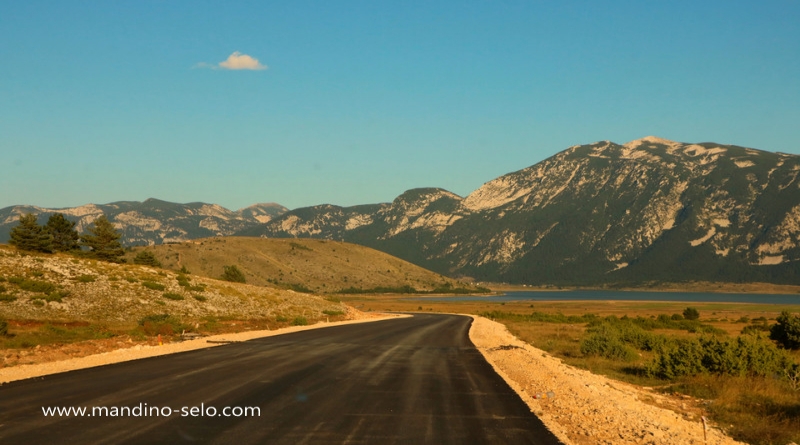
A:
414	380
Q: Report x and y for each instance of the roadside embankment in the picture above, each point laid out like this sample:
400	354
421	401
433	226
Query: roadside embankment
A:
586	408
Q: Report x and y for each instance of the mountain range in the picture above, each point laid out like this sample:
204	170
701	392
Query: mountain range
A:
152	221
650	210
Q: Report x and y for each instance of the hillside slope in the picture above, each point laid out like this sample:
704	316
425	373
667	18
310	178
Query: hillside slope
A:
317	265
648	210
61	287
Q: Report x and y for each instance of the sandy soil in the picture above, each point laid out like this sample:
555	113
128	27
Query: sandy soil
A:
586	408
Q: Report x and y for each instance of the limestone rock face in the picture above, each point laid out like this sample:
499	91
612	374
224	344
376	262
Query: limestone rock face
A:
648	210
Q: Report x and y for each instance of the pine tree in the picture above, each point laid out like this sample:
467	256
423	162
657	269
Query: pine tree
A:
65	238
30	236
103	241
232	273
146	258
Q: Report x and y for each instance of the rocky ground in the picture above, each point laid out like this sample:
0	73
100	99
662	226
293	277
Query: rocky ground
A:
88	290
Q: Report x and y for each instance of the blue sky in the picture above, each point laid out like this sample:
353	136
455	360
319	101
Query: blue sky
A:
357	102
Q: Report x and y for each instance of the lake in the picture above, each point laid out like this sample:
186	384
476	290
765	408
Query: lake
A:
576	295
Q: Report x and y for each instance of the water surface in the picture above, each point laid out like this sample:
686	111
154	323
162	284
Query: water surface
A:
578	295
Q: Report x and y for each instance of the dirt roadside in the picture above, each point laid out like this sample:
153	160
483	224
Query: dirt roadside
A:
586	408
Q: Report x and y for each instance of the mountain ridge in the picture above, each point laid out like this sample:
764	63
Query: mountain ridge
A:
649	209
152	221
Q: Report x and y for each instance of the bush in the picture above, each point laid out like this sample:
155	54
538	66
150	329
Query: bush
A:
333	313
677	358
691	313
299	321
85	279
172	296
5	298
146	258
153	285
233	274
604	341
33	285
163	324
199	297
787	331
747	355
3	327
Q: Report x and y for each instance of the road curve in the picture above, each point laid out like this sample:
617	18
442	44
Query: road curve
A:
410	380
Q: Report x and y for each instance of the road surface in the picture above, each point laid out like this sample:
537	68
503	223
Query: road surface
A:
402	381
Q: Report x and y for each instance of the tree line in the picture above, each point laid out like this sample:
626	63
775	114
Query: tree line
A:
59	235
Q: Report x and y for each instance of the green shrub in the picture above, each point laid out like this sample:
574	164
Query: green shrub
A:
85	279
163	324
299	321
53	296
332	313
281	319
172	296
787	331
33	285
677	358
233	274
691	313
300	288
3	327
153	285
747	355
6	298
607	346
199	297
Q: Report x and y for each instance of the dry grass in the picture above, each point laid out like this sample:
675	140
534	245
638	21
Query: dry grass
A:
322	266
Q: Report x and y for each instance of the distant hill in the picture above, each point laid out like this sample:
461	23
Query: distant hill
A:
316	265
648	210
152	221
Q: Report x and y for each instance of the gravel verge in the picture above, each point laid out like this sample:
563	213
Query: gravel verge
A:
21	372
586	408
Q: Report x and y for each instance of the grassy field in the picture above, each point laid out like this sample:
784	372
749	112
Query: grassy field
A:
306	265
754	409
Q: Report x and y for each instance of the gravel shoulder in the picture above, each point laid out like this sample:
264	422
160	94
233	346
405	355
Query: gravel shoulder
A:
10	374
586	408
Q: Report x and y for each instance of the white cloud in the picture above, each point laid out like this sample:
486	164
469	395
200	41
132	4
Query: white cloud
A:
239	61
